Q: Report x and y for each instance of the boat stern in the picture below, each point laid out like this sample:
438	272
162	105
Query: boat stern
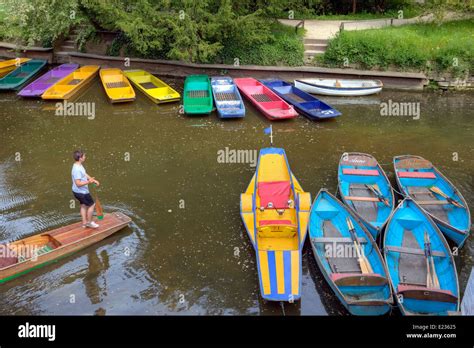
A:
279	273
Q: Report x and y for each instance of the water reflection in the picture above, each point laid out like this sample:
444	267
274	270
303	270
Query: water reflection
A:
187	251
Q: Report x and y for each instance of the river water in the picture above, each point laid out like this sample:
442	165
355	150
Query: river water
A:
186	251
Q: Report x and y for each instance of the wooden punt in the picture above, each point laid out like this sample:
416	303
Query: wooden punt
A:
419	179
25	255
72	83
275	212
150	85
116	86
362	289
420	263
9	65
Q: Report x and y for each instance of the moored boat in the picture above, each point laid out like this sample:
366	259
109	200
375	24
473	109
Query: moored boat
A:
150	85
229	103
264	99
21	75
197	99
339	87
275	211
419	179
304	103
421	267
27	254
40	85
348	257
7	66
365	189
72	83
116	86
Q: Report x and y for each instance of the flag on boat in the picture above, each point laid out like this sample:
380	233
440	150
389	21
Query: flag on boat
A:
268	130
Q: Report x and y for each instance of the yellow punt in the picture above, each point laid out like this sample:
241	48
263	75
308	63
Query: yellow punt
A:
8	66
72	83
116	85
275	212
153	87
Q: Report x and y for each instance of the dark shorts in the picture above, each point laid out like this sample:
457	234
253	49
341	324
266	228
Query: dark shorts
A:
84	198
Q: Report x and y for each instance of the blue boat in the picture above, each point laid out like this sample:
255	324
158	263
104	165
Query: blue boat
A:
422	270
419	179
18	77
227	97
348	257
366	190
304	103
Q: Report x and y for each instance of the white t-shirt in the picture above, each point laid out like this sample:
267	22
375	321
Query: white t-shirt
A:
79	172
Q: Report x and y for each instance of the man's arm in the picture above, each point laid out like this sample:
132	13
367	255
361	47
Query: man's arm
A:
92	180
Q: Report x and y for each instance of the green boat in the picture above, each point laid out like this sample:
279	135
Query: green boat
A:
197	95
18	77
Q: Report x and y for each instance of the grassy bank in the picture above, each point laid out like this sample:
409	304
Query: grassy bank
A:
445	48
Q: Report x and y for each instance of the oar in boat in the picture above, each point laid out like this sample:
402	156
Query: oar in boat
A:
98	207
375	189
437	190
362	259
432	280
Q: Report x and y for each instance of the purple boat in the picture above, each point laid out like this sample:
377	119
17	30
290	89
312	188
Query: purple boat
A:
40	85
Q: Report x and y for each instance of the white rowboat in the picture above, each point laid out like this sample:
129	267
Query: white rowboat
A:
339	87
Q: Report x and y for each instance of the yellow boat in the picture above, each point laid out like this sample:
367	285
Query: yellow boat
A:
8	66
116	85
153	87
275	212
72	83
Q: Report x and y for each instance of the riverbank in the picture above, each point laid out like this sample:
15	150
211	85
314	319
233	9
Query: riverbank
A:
439	50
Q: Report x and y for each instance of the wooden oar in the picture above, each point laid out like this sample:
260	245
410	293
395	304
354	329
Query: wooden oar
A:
98	207
362	259
375	189
437	190
432	280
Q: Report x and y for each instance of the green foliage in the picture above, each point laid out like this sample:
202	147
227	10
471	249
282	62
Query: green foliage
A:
448	47
39	22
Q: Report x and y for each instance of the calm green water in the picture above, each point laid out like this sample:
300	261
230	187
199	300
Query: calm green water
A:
195	259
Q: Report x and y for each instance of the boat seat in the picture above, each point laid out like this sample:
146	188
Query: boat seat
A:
364	172
417	175
358	279
276	229
413	251
275	192
424	293
318	240
6	256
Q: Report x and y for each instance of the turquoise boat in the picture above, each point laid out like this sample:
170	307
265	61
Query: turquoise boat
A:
422	270
18	77
348	257
197	97
365	189
419	179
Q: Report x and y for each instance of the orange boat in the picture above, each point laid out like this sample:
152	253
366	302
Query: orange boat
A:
27	254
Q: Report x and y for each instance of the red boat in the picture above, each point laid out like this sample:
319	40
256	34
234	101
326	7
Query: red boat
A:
269	103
